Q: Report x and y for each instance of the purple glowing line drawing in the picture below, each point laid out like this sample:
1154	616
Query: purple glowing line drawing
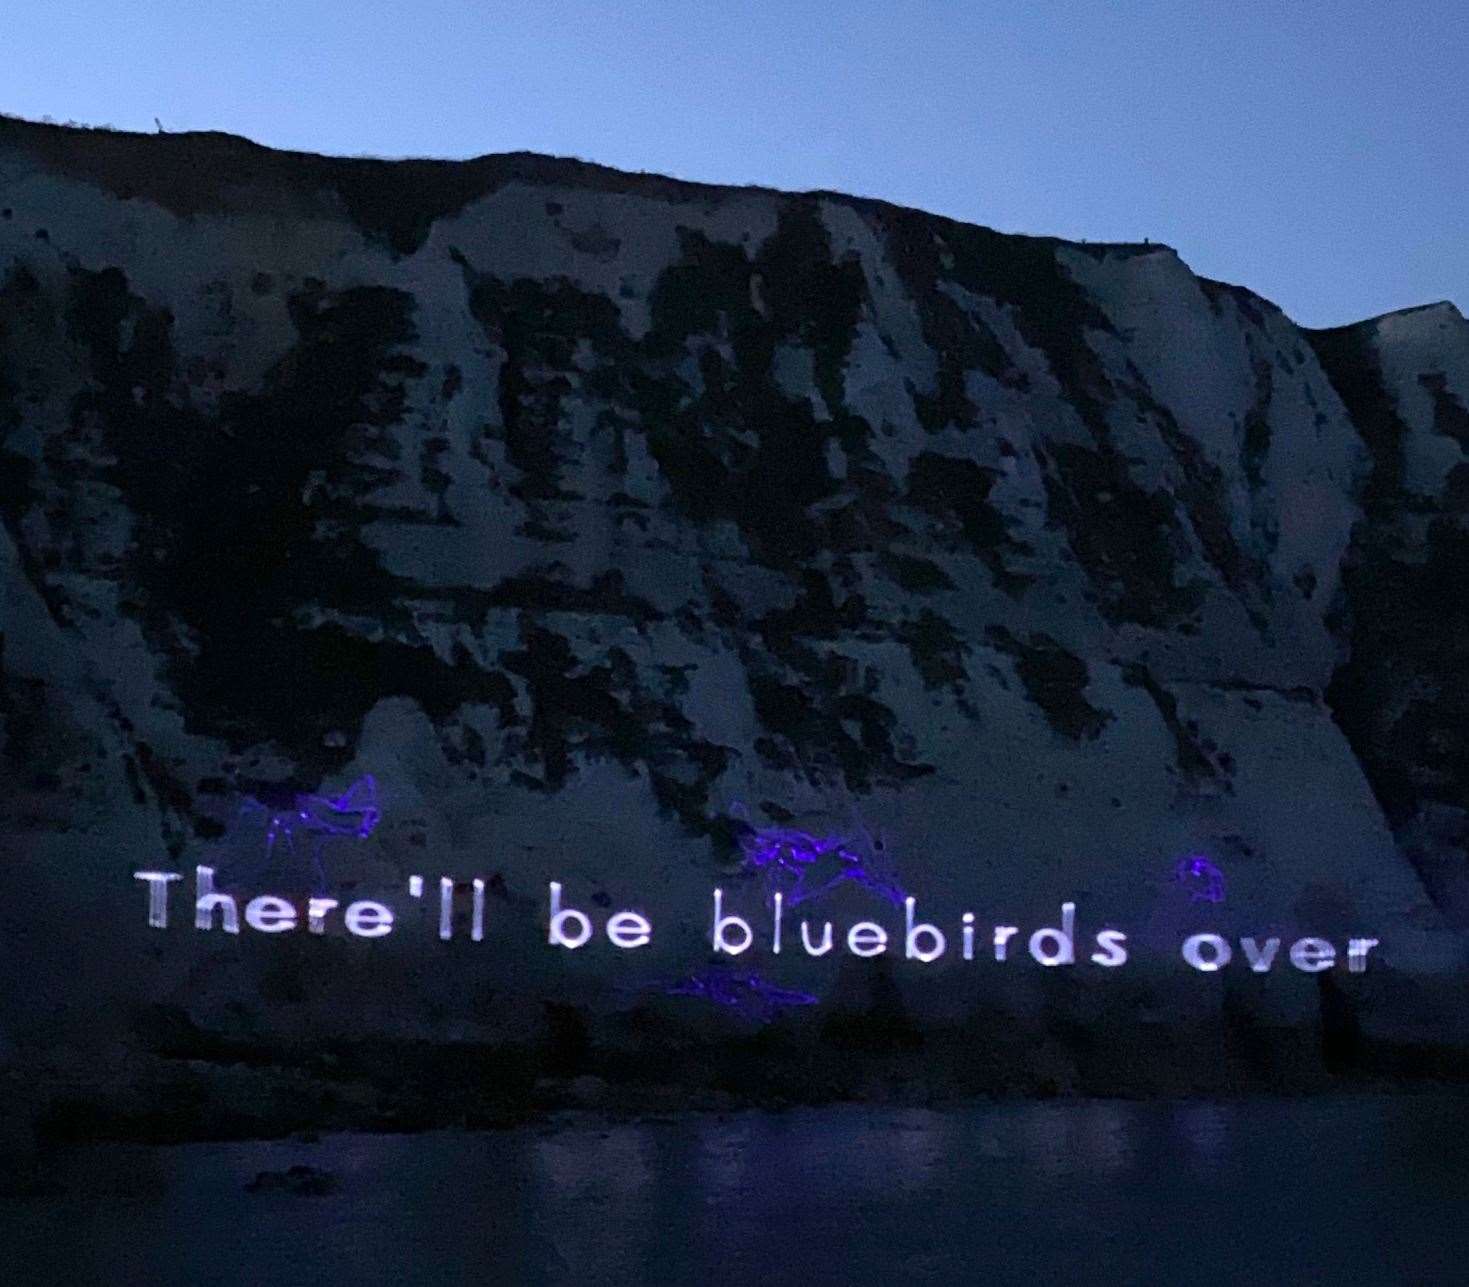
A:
740	990
354	814
1203	880
801	866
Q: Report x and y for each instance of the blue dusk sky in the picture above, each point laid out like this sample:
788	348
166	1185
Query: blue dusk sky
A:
1315	152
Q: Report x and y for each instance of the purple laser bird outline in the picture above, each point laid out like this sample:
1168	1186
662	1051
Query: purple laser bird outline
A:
740	990
1203	880
354	814
801	866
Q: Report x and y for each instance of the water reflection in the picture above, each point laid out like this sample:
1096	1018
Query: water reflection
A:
1106	1137
1204	1128
1054	1141
723	1161
1311	1190
600	1188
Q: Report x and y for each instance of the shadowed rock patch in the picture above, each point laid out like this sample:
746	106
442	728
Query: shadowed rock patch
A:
1126	537
1055	680
956	491
1194	763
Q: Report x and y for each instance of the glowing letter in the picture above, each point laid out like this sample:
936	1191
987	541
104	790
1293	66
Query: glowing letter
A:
825	942
628	929
1219	952
1260	959
158	897
554	935
775	939
1112	953
1312	955
446	907
269	914
1003	935
477	918
969	936
316	910
721	922
369	920
1065	954
867	939
208	900
911	949
1357	950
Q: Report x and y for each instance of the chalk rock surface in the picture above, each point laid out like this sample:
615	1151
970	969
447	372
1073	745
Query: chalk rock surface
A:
602	518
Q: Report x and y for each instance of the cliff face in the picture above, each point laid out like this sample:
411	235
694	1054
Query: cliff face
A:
590	513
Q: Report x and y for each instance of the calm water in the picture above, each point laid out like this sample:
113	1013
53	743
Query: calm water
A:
1360	1191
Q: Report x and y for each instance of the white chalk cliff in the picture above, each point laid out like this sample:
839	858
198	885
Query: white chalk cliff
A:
587	510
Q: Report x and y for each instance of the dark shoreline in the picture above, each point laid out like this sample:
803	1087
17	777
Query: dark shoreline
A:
189	1085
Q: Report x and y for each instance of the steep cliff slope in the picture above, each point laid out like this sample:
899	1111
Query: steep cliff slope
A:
602	517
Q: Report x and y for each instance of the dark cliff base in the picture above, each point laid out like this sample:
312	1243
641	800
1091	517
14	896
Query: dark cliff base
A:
194	1085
